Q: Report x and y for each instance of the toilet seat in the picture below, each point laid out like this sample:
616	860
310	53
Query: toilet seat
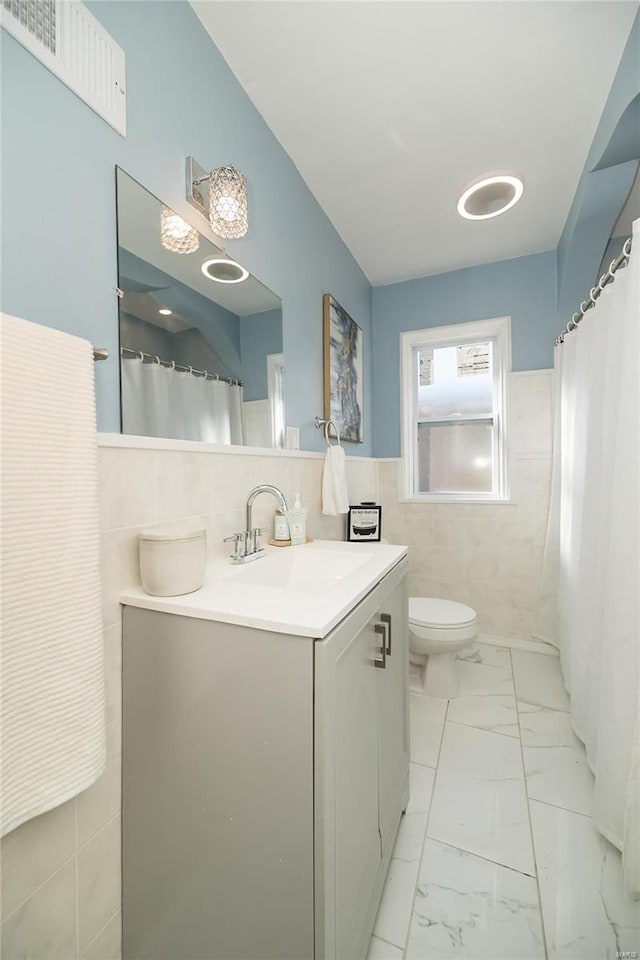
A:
443	622
443	614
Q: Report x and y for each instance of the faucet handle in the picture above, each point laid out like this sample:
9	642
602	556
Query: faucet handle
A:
238	539
257	538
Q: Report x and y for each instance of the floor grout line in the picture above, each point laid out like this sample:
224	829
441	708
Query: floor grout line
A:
426	830
556	806
533	846
499	733
478	856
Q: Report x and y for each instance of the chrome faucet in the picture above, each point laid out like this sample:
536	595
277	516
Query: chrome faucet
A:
248	544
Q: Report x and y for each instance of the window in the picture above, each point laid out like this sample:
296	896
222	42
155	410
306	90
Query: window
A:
454	390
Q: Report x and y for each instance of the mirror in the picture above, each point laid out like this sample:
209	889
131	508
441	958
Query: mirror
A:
200	338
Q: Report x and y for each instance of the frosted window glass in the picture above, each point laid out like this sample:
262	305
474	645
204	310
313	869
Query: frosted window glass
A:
456	458
452	394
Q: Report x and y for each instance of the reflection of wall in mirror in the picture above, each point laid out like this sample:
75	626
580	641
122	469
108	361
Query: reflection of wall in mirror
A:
260	335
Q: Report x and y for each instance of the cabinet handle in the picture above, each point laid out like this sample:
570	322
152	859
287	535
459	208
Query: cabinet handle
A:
381	628
386	619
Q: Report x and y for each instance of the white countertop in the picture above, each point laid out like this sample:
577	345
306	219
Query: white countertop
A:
303	590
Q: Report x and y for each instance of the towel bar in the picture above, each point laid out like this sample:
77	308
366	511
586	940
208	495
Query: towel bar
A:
320	423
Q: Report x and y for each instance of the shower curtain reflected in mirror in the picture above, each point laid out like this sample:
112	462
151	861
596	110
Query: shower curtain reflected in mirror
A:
160	401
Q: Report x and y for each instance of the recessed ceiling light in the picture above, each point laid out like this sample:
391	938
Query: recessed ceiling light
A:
165	312
490	196
224	271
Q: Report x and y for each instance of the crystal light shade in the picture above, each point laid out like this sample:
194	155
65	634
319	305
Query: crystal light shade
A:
228	203
176	234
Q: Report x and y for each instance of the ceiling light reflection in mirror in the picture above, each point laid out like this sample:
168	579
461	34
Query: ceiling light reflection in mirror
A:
197	357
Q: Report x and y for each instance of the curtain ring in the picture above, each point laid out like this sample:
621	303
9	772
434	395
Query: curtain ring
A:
604	279
584	306
611	272
627	247
157	360
593	295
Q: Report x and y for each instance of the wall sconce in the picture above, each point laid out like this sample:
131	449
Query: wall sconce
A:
176	234
226	205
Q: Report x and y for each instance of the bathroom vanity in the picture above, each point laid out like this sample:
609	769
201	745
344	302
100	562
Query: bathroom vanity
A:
265	756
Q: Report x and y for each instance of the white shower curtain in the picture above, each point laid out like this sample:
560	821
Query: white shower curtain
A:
589	601
158	401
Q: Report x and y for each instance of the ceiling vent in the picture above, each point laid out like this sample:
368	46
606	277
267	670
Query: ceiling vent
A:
73	45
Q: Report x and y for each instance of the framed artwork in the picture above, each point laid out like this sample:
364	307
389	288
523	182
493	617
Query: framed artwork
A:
364	522
343	371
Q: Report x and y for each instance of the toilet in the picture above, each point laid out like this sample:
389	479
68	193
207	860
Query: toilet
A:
438	630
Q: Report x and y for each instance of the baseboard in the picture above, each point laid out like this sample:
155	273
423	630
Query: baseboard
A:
533	646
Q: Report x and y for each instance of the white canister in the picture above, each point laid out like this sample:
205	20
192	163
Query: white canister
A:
173	561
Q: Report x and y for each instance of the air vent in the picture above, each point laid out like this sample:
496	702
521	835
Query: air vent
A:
70	42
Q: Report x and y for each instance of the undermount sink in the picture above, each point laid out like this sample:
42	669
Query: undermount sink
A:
306	569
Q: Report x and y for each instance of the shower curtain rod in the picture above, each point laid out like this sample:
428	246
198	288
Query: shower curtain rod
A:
179	366
595	292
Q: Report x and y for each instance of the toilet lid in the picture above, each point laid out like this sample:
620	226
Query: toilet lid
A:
433	612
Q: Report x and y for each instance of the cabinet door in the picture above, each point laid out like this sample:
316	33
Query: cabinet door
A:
357	850
393	710
348	842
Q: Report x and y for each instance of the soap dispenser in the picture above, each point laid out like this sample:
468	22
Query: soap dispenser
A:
297	518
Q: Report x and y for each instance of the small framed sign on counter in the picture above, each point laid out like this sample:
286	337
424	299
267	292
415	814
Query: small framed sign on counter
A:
364	522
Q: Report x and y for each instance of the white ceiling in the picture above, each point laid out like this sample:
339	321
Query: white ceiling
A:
389	108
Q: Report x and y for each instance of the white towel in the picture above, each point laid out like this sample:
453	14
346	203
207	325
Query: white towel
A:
335	497
52	684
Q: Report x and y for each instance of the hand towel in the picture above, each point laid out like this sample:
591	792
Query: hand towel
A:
335	497
52	683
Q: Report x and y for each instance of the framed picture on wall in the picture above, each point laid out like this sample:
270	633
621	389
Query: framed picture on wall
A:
343	371
364	522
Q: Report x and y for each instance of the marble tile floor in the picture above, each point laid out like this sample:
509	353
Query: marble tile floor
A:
497	857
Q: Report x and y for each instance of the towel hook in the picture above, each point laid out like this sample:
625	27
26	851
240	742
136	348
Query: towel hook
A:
320	422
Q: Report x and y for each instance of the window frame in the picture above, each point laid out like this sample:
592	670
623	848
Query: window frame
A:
497	329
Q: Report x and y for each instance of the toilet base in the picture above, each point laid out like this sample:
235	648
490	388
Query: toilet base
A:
439	675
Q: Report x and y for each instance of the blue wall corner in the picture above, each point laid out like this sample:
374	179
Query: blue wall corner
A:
605	182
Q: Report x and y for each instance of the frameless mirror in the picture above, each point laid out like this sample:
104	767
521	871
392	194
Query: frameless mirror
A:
200	339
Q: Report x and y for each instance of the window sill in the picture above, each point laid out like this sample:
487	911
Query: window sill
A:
446	499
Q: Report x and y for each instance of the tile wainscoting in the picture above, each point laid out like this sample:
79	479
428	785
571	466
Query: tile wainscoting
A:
61	892
486	555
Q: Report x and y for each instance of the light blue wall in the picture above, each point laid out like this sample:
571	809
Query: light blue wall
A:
58	196
524	289
609	171
58	209
260	335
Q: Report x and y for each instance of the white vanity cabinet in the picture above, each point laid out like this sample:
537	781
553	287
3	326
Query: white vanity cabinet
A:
361	764
264	777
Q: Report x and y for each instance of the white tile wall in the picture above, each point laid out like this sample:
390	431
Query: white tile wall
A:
487	555
60	873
